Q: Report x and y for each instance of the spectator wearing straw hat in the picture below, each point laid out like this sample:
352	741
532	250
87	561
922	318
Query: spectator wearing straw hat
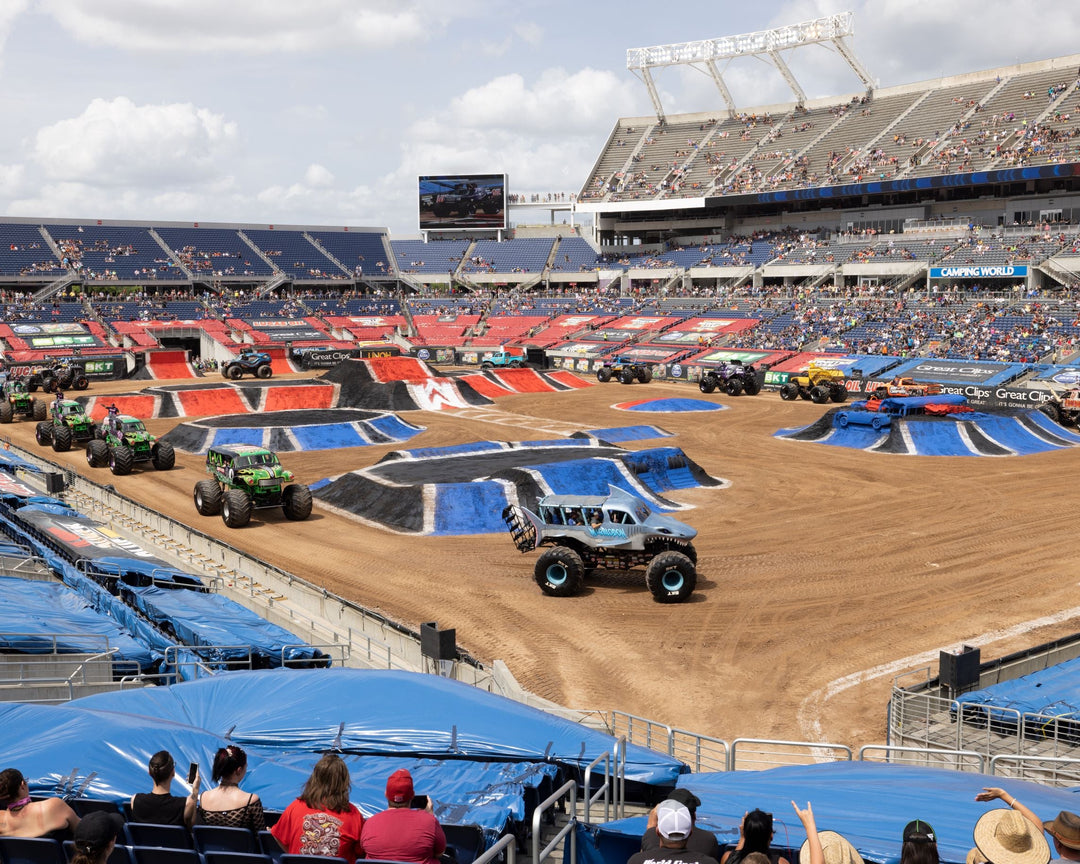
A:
823	847
673	825
700	840
1007	837
1064	829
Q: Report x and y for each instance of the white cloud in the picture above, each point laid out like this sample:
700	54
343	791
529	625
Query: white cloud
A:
318	177
118	143
247	26
11	177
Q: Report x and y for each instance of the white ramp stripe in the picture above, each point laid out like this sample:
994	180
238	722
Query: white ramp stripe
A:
428	496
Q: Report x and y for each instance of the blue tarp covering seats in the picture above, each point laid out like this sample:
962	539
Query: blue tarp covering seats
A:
374	711
1048	692
49	614
868	803
213	621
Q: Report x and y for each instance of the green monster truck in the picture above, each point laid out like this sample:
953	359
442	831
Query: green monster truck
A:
17	402
122	441
243	478
69	423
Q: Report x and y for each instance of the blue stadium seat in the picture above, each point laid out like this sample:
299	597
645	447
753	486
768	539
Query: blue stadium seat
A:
311	859
467	841
270	847
168	836
82	806
236	858
216	838
159	855
26	850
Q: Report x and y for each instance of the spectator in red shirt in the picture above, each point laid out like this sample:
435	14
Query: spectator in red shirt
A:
402	833
322	821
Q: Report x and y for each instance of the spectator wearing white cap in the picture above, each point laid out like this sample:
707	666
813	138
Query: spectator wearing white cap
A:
700	839
673	825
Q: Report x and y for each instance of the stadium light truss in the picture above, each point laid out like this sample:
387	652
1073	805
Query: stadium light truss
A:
765	44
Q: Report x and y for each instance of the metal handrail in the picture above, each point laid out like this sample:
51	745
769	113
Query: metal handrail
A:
603	790
538	854
808	745
889	749
507	842
1050	761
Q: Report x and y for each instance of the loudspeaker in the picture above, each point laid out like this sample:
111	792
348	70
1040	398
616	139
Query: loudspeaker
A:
959	672
54	482
437	644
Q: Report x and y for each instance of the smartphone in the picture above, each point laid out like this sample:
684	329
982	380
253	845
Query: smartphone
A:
419	802
192	770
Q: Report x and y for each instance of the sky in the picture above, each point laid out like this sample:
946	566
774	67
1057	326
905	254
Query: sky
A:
323	112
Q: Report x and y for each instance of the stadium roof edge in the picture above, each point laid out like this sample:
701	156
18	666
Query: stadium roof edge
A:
644	206
1064	63
161	223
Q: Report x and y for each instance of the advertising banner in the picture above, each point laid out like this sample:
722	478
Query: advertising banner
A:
995	271
327	358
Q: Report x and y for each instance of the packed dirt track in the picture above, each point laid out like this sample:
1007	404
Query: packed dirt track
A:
823	572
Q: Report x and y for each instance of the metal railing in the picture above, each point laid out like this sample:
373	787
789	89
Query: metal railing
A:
770	753
1048	770
540	855
507	843
958	760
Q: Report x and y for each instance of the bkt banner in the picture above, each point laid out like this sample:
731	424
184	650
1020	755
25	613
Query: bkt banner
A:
1000	271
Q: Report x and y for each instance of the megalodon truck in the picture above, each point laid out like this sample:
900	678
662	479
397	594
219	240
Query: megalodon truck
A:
617	531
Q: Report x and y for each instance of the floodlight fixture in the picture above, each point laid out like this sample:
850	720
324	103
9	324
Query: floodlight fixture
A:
765	44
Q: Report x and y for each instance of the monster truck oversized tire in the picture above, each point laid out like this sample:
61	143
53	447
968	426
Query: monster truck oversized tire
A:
296	502
38	409
839	394
559	572
734	386
81	382
121	459
819	395
163	456
97	453
48	384
645	375
6	412
751	387
235	508
671	577
263	372
1051	410
707	384
603	374
61	439
626	376
207	497
233	372
43	433
789	392
487	364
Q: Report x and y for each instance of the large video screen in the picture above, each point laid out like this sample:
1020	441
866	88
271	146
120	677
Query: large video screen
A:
462	201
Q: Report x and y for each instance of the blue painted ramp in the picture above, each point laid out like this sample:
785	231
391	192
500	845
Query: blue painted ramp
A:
628	433
1010	432
857	437
327	436
394	428
934	438
1039	419
584	477
469	508
236	436
663	468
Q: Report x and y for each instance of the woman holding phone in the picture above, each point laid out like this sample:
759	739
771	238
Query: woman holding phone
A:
160	806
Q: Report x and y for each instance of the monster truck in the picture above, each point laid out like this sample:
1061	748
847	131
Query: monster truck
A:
69	423
465	199
625	370
243	478
17	402
613	531
122	441
249	360
732	377
903	386
1064	408
817	383
58	375
501	360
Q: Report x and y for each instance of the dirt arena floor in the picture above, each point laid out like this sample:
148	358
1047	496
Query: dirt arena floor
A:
823	572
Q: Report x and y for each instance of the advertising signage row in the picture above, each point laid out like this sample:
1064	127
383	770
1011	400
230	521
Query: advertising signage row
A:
1001	271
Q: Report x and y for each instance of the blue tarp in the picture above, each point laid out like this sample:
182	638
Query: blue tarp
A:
1051	691
214	621
49	614
868	803
370	711
65	750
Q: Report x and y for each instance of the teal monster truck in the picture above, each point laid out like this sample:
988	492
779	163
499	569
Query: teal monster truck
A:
617	531
501	360
122	441
243	478
249	360
17	402
69	423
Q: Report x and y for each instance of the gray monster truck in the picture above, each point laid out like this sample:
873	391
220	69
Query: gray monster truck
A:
617	531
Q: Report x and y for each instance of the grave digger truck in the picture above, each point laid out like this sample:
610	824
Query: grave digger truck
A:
818	384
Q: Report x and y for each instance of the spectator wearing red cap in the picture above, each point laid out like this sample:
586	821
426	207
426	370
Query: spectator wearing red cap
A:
403	833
